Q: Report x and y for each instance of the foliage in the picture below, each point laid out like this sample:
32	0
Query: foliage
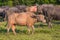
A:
10	3
27	2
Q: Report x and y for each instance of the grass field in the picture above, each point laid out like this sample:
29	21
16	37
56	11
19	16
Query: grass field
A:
41	33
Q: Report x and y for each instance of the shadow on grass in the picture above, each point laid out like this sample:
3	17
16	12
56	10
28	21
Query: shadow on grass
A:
43	31
40	25
21	31
56	22
3	31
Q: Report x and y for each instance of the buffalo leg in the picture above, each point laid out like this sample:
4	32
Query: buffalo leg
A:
13	29
28	30
49	22
50	25
8	28
33	29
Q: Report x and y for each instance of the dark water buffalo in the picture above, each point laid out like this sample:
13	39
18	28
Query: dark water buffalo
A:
16	9
41	7
11	10
50	11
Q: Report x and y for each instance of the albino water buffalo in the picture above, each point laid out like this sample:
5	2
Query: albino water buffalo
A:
23	18
32	8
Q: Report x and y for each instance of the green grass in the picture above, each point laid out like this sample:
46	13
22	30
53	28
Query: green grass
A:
41	33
